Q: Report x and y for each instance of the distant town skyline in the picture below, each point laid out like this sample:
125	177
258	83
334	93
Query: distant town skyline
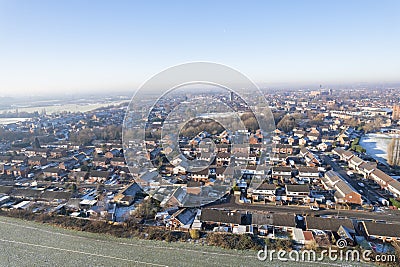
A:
60	47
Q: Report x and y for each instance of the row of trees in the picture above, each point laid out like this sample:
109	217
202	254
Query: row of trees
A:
232	241
366	127
250	121
394	152
147	209
10	136
19	114
289	121
356	146
86	136
83	137
194	127
245	242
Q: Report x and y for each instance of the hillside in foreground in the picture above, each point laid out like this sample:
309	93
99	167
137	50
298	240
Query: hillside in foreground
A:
25	243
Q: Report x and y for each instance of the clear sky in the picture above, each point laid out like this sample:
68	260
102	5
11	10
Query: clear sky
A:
82	46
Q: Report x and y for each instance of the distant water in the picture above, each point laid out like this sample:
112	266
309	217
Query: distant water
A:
5	121
376	145
217	115
67	107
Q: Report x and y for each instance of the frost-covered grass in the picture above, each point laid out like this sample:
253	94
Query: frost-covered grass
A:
25	243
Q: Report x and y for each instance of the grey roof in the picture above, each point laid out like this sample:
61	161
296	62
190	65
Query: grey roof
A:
332	176
297	188
104	174
282	146
395	184
5	158
221	216
77	174
280	156
35	158
179	194
287	220
5	189
304	150
102	159
382	229
74	203
338	183
381	175
367	166
223	155
281	169
131	190
51	195
204	172
347	153
327	224
356	160
262	219
345	188
220	170
266	186
185	216
338	150
308	169
118	159
52	170
26	193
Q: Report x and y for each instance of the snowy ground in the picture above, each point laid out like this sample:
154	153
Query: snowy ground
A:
32	244
376	145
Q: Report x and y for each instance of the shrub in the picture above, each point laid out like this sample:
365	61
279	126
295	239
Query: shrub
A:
395	203
283	244
230	241
194	234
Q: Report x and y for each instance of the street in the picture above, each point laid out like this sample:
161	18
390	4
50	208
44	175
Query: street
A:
390	216
370	195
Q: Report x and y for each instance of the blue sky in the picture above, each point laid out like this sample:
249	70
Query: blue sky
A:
76	46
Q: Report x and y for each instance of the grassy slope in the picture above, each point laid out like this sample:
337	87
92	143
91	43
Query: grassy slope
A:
24	243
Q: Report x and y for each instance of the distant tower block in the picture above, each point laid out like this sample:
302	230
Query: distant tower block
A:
231	96
396	112
330	91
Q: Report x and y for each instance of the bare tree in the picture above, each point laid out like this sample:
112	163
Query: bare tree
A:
394	152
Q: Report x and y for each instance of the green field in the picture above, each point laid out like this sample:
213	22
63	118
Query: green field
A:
25	243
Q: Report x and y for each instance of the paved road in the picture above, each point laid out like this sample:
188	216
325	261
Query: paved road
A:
392	216
369	194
